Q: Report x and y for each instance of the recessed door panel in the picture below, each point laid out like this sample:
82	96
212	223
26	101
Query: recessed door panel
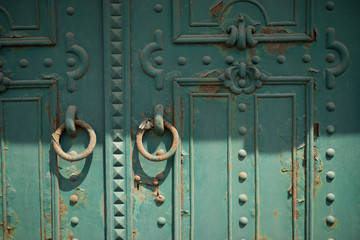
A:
247	157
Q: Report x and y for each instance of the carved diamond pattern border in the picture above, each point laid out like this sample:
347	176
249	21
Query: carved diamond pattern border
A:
117	171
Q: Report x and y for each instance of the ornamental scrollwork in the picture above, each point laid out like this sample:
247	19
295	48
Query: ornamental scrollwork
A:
242	77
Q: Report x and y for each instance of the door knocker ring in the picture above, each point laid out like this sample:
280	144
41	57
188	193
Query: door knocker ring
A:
72	158
161	157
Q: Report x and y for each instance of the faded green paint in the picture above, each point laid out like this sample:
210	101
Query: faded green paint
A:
259	92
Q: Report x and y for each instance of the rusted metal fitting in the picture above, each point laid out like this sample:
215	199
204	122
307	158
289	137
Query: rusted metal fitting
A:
160	199
72	158
159	120
70	121
137	178
155	182
164	156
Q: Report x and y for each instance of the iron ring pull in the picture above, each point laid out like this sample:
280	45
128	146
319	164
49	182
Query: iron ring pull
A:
72	158
164	156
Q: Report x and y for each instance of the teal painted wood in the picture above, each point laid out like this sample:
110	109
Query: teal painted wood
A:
285	199
264	96
29	182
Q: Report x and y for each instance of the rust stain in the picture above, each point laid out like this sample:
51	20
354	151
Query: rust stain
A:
277	48
272	30
63	207
182	184
70	235
317	181
216	9
262	238
316	130
317	184
209	89
294	189
315	87
275	212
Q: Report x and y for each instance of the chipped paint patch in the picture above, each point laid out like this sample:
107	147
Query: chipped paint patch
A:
216	9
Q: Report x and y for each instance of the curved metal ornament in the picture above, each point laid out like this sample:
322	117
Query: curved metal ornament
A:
241	34
145	63
84	62
332	73
242	78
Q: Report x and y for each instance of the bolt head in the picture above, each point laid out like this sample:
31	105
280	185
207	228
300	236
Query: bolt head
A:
137	178
74	199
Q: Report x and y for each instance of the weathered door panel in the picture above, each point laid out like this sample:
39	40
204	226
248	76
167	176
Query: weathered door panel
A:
252	158
240	149
57	41
263	94
28	166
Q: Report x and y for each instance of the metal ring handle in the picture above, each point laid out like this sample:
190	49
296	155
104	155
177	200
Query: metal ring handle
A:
72	158
164	156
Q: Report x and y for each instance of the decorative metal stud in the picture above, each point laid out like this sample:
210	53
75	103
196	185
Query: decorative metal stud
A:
243	198
255	59
74	221
281	59
160	199
159	60
48	62
330	220
330	175
330	5
242	176
71	62
181	61
242	153
229	60
306	58
330	106
330	153
74	177
243	221
70	11
330	58
160	176
330	197
23	63
74	199
330	129
161	221
243	131
158	8
137	178
206	60
242	107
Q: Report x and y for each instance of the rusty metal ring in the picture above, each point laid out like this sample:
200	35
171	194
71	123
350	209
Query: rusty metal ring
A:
164	156
72	158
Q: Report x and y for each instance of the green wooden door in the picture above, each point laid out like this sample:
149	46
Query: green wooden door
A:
263	96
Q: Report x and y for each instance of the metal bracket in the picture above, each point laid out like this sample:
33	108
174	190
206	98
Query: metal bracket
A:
159	120
70	121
